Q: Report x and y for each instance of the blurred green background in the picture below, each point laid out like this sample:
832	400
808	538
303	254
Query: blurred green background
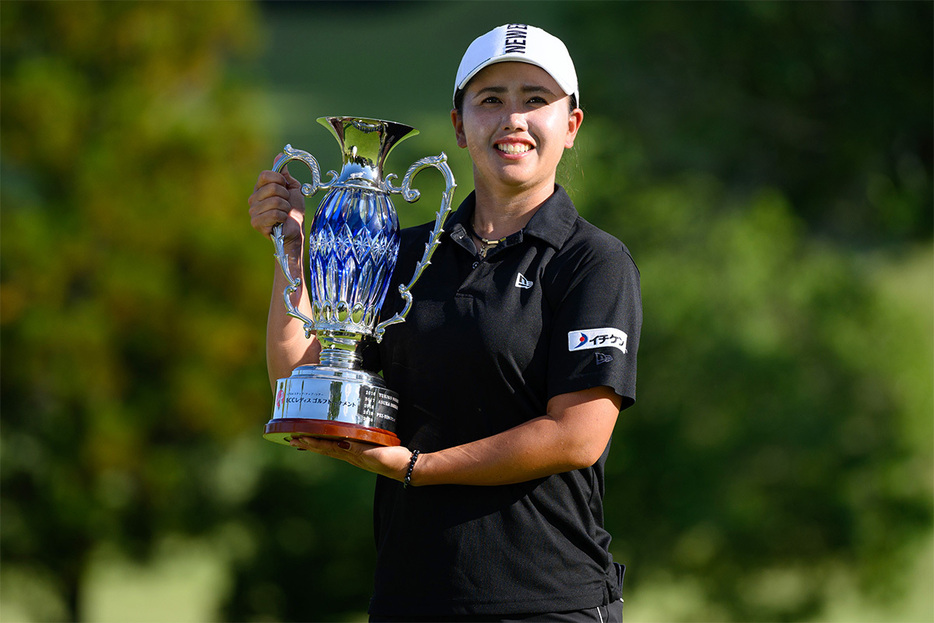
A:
768	164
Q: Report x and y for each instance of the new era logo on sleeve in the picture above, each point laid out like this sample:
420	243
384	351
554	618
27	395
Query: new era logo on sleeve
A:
597	338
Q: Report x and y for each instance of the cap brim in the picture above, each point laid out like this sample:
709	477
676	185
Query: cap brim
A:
516	58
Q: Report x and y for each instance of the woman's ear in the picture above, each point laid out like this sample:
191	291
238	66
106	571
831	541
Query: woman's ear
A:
457	120
575	120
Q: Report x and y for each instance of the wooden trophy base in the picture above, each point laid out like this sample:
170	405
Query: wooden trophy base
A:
284	429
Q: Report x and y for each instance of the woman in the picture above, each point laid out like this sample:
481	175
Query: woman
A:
512	366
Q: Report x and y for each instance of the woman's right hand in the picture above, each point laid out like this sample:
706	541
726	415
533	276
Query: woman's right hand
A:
277	198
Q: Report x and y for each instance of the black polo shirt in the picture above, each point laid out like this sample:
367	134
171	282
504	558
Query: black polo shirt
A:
555	308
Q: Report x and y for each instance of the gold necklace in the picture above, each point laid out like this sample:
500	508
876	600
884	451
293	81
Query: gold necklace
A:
485	243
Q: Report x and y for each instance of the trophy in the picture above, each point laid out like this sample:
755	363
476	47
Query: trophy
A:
353	244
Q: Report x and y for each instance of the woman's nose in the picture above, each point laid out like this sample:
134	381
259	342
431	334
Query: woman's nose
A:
515	120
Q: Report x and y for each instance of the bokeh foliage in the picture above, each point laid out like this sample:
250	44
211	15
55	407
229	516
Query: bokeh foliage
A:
768	164
131	355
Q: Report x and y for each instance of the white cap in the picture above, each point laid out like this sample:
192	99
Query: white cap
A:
522	43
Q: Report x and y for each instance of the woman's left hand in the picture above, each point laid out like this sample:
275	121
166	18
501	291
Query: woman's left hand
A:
389	461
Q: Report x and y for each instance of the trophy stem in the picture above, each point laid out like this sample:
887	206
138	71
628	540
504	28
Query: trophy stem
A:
339	350
337	358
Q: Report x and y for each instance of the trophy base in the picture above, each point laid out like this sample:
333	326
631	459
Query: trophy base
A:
282	431
334	403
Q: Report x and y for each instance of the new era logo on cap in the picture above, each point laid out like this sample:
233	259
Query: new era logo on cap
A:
515	39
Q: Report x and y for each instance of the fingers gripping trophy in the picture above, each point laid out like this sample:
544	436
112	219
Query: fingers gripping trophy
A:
353	244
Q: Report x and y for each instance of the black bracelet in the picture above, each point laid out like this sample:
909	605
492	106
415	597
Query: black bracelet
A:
408	474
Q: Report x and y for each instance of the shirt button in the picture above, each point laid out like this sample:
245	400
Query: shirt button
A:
475	264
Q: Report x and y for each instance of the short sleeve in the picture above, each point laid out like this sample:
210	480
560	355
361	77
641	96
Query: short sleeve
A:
597	320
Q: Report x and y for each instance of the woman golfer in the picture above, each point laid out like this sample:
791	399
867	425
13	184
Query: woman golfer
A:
512	366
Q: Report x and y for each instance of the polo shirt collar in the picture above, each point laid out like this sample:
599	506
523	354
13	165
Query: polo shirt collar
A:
552	222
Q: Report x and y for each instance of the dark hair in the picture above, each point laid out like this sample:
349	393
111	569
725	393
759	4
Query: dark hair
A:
459	101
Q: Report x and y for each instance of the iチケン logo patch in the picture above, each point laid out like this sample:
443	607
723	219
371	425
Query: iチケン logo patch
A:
597	338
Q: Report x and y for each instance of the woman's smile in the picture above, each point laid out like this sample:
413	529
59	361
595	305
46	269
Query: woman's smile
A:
513	149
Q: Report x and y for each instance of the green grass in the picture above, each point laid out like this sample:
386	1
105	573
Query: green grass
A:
187	579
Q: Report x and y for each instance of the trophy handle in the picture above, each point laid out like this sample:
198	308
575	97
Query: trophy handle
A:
434	239
278	239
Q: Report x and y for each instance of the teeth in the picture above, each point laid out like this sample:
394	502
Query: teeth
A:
513	148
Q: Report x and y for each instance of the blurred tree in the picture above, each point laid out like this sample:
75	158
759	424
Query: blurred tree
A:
749	154
829	102
782	403
132	302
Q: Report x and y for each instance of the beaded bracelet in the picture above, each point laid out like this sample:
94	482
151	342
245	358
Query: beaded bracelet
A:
408	474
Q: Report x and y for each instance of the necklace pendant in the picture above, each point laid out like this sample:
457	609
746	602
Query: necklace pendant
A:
485	244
